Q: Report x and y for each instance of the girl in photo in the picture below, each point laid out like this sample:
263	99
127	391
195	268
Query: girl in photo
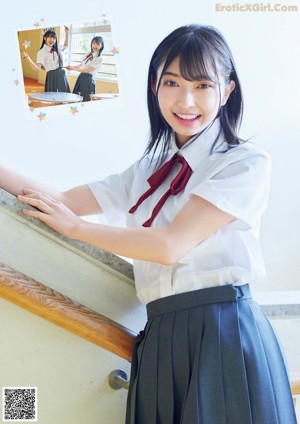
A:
49	58
90	65
191	208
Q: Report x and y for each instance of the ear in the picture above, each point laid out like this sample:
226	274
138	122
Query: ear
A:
229	89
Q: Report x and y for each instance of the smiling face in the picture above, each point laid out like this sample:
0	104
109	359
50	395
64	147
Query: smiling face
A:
96	46
188	106
50	41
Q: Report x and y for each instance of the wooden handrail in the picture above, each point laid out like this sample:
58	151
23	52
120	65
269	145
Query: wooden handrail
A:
74	317
66	313
295	382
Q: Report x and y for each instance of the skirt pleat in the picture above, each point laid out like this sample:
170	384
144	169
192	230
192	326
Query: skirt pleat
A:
165	392
181	360
57	81
209	357
190	411
272	377
234	378
85	86
147	384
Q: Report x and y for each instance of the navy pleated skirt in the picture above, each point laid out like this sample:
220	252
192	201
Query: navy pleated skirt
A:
57	81
209	357
85	86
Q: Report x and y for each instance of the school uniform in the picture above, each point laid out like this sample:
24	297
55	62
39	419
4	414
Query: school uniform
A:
208	354
85	84
56	79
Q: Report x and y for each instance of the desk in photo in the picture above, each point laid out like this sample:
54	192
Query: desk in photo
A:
103	96
52	99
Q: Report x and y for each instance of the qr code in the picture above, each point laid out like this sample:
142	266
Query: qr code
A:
20	404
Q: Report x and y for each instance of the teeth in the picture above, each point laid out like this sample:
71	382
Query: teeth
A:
188	117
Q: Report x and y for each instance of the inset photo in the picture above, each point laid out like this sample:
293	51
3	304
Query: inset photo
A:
69	64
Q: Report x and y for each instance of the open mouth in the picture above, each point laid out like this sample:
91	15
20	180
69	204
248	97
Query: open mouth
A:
187	117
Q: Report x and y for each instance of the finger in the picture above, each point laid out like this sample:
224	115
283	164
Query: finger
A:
36	202
36	214
38	195
31	191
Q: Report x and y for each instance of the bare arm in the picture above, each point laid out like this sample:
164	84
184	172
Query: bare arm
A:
79	199
66	43
193	224
14	183
33	65
79	69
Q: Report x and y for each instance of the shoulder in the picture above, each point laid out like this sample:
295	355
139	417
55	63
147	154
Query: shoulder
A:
43	50
41	53
249	148
97	61
245	153
245	162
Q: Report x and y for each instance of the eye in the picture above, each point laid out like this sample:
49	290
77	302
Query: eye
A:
204	85
170	83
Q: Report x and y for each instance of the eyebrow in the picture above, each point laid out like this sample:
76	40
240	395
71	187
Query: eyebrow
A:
172	73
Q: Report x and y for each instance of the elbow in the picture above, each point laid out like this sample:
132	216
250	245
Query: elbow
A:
170	252
167	261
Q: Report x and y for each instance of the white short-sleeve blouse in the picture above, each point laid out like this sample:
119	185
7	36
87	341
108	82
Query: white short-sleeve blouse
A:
47	59
95	63
236	181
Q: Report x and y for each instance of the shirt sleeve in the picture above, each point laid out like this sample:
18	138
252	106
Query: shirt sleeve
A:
40	58
240	188
112	195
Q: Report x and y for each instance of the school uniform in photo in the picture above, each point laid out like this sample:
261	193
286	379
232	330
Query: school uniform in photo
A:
56	79
85	84
208	354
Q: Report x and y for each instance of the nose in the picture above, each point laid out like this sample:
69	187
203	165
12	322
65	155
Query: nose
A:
186	97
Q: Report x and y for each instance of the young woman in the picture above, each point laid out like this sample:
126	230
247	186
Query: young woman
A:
85	85
50	59
192	208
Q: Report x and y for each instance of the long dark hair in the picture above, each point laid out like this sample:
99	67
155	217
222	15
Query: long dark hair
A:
52	33
203	53
99	40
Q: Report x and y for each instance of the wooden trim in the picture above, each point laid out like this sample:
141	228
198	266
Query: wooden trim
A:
295	382
64	312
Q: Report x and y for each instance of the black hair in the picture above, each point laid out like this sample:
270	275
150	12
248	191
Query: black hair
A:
203	53
52	33
99	40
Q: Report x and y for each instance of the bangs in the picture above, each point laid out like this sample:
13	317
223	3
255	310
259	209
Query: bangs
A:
97	40
196	60
197	64
50	34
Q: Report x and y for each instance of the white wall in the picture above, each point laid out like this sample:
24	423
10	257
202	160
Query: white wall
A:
65	150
